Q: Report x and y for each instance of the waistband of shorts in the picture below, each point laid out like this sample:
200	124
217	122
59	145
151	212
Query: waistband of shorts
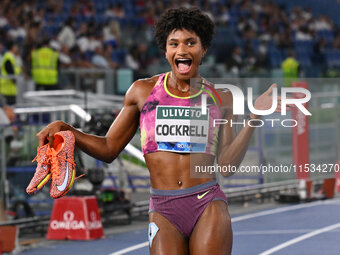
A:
178	192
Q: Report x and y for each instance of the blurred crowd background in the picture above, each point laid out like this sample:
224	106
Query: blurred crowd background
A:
251	35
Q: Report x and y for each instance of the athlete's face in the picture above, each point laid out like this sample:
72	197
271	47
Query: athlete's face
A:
184	52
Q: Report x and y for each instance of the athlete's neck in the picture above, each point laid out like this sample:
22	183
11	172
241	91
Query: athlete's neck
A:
179	84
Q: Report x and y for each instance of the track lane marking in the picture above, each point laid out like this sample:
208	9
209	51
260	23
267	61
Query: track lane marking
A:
240	218
275	232
300	238
131	248
280	210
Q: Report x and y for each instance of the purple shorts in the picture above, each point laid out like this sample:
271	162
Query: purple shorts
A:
183	207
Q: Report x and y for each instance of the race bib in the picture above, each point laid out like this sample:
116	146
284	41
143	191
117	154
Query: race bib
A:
181	129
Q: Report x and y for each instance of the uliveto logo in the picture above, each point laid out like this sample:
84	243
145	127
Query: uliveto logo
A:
238	104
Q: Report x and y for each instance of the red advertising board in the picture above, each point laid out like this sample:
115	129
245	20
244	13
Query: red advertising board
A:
300	139
75	218
337	175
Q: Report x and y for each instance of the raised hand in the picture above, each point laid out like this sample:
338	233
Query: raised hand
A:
46	135
265	101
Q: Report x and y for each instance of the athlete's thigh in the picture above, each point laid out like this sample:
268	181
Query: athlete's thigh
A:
167	240
212	233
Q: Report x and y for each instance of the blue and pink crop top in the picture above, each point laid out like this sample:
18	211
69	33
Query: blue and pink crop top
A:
176	124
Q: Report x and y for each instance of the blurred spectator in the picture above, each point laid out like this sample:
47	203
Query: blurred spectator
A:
132	58
249	57
108	50
135	60
65	61
88	42
115	11
143	55
75	9
307	14
9	67
250	63
241	24
83	42
150	16
103	58
207	10
112	33
55	44
8	110
3	19
64	57
224	16
159	8
45	65
245	6
98	58
119	11
262	55
235	62
322	23
79	59
29	44
7	116
67	35
39	15
94	42
110	12
252	21
290	68
303	34
1	51
336	42
285	40
318	56
88	9
17	32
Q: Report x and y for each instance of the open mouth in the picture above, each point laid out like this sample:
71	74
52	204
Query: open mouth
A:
183	65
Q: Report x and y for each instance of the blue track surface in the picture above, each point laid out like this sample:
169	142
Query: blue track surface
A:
253	233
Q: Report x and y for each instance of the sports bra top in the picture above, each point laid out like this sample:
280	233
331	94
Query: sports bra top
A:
176	124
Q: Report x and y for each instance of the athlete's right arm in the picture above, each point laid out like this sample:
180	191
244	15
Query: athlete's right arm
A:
108	147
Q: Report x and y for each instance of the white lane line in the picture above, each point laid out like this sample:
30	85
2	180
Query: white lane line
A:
240	218
280	210
131	248
300	238
275	232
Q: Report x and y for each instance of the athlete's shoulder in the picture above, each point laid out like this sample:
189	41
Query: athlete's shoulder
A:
226	96
223	94
141	88
145	83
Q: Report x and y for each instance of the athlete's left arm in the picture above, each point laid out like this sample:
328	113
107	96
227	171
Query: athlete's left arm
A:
232	147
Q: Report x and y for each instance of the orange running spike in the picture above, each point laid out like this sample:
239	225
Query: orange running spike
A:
62	163
42	174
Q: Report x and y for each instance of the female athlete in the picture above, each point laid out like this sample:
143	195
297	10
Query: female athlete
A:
187	215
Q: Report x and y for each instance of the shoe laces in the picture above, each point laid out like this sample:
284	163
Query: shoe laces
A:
55	170
38	157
